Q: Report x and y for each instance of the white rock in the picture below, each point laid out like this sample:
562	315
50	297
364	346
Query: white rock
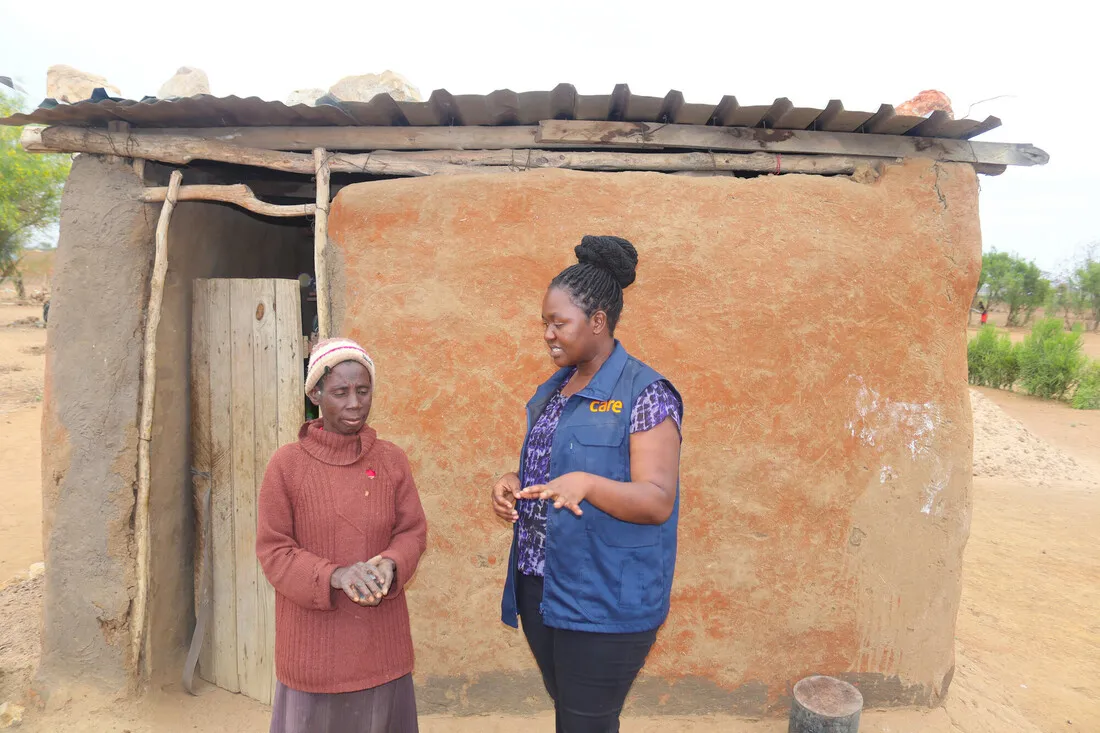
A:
305	96
10	714
37	570
187	82
364	88
66	84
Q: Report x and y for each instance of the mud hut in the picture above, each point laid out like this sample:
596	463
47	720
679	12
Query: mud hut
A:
805	281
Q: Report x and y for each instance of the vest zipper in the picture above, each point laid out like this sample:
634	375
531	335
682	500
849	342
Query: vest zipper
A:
546	559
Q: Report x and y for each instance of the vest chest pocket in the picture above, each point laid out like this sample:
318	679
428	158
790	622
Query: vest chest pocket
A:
603	451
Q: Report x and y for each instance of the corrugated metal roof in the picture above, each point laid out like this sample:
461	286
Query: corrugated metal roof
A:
503	107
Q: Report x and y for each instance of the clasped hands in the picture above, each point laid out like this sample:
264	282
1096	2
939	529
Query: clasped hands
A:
366	583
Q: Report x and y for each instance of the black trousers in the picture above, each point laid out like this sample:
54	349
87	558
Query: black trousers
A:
586	674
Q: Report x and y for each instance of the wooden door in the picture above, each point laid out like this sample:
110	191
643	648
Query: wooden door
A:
246	400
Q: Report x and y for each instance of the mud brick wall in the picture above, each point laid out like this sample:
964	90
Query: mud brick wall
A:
815	327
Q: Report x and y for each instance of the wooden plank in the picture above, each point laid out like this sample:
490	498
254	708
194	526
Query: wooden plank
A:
223	636
265	373
202	476
291	360
553	134
242	311
648	135
613	160
289	357
78	139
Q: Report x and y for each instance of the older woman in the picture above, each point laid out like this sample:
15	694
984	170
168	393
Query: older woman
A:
595	503
340	532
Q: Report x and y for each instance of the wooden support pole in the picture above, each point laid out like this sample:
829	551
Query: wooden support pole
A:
238	194
320	244
825	705
138	630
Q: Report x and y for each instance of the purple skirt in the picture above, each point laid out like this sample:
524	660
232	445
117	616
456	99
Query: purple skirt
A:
388	708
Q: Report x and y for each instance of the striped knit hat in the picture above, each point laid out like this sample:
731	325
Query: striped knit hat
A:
330	352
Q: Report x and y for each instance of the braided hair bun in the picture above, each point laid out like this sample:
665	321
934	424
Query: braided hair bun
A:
605	265
614	254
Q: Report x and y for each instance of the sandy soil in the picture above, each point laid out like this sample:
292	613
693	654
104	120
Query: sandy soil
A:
1028	639
21	367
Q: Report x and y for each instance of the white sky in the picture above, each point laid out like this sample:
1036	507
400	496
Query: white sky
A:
864	54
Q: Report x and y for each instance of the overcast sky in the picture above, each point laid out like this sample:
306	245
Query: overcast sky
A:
864	54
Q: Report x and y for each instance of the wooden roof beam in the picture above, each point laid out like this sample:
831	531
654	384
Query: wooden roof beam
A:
741	139
180	149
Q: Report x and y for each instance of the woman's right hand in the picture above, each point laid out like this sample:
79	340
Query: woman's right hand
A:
359	583
505	492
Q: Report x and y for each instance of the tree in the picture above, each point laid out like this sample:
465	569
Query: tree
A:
1087	280
30	193
995	267
1015	282
1066	299
1026	290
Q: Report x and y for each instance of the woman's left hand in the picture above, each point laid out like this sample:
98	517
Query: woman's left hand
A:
567	490
384	569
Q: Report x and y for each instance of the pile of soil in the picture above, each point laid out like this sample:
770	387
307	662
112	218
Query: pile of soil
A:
1005	448
21	611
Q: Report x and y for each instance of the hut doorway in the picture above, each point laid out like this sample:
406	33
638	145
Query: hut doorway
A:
246	400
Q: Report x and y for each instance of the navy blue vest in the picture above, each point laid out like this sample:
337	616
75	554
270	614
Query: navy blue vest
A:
601	574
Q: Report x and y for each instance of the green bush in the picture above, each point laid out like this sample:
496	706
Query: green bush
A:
992	359
1050	359
1087	396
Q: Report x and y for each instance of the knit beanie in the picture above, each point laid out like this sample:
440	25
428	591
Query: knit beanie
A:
330	352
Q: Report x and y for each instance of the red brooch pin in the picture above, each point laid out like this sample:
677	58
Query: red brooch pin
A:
371	473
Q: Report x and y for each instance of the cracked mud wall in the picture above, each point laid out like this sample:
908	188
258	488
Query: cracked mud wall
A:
89	426
815	327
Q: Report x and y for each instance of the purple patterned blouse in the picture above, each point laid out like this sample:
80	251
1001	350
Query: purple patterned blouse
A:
656	403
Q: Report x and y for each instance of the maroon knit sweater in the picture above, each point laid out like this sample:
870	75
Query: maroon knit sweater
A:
320	509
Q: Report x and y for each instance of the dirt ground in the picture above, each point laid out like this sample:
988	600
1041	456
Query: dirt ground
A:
1028	638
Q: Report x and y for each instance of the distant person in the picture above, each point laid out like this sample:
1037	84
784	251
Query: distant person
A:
340	532
983	311
596	501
